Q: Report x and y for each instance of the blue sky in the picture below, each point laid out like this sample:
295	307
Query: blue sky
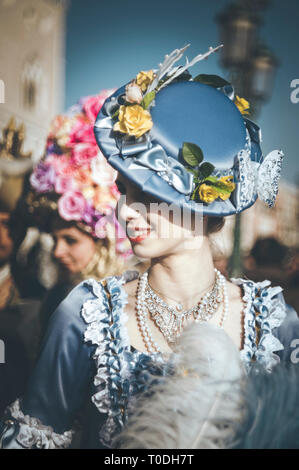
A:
108	42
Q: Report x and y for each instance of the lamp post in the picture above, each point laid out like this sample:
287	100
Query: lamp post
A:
251	69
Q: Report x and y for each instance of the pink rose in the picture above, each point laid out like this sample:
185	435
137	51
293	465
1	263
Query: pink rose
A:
101	227
93	104
71	205
83	153
115	192
62	163
63	184
81	132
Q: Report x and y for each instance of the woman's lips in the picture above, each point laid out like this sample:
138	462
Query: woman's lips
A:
66	264
140	237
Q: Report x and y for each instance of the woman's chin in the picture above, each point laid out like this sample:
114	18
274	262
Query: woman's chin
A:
150	249
145	248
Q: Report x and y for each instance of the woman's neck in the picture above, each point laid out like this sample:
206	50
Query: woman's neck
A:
184	276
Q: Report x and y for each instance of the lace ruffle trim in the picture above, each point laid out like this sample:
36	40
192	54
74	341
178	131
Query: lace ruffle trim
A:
106	330
264	310
33	433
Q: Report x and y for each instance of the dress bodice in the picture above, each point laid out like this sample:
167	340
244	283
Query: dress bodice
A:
87	359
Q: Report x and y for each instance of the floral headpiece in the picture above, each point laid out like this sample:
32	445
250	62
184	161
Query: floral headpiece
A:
74	179
149	143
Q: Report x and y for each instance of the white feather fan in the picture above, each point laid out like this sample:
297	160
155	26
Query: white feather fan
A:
198	405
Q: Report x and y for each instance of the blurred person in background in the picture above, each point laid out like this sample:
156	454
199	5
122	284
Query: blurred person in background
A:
19	325
72	196
293	279
268	260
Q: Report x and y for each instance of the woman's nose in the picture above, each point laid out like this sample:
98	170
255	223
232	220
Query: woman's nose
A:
128	211
59	249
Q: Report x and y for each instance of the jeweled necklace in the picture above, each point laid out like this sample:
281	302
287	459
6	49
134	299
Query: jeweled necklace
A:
169	319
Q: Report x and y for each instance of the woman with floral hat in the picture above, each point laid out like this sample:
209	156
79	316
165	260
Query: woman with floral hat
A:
73	196
186	157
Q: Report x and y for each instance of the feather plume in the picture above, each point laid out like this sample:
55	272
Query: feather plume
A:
166	66
272	410
181	70
198	404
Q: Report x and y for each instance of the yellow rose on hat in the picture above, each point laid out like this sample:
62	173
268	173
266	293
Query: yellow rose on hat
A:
227	180
144	79
133	120
207	193
242	105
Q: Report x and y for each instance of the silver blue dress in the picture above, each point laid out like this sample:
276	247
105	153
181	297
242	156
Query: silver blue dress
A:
88	371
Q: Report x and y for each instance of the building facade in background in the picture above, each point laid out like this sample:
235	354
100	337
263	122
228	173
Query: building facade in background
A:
32	58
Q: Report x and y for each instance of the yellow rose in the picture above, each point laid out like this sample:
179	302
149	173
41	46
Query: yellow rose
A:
224	196
227	180
207	193
133	120
144	79
242	105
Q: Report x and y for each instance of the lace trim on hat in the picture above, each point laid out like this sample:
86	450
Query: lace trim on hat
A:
33	433
265	309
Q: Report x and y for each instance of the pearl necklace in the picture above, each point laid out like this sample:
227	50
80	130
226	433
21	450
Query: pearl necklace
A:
167	318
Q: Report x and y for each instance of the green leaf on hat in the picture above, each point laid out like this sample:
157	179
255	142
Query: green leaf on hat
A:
148	98
194	171
115	114
212	80
192	154
206	169
221	187
212	179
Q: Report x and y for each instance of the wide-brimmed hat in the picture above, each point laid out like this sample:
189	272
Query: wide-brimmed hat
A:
187	141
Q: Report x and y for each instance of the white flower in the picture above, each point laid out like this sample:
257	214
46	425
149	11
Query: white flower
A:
133	93
101	172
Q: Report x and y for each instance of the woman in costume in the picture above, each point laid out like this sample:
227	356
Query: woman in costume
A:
73	196
178	143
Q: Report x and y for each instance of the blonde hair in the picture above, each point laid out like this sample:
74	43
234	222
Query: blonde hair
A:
106	261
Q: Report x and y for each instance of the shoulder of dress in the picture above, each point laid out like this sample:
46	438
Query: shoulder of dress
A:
103	307
265	311
263	290
86	297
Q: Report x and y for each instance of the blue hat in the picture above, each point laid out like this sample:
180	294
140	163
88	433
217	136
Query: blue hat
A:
186	141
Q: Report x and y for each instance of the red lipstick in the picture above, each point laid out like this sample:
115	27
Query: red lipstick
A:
140	238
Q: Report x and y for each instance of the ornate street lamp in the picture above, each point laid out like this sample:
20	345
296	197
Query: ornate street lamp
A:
238	33
251	68
256	4
261	74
